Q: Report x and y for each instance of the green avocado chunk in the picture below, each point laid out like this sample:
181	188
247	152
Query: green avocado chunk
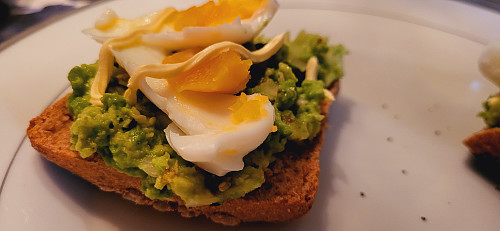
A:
308	45
131	138
491	113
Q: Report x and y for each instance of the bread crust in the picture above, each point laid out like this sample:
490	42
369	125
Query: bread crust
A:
486	141
287	194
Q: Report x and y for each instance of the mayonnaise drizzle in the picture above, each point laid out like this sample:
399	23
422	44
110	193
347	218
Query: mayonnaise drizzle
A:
312	74
106	58
164	71
312	68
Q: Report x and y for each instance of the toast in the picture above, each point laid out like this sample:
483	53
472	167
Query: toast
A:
288	192
486	141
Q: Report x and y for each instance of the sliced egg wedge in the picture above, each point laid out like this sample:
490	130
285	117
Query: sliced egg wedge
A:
211	129
171	70
142	61
227	20
207	130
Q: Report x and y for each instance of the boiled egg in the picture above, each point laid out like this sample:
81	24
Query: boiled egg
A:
210	129
227	20
221	150
213	131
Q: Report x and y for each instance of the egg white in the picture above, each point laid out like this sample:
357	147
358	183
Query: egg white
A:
120	28
203	132
133	57
220	151
239	31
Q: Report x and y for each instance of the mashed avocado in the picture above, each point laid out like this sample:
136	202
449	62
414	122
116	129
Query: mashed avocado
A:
491	113
131	138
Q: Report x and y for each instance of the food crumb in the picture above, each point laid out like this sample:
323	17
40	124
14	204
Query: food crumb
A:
437	133
362	194
423	218
404	171
390	139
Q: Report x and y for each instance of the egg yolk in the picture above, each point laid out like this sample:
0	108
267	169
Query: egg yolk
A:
181	56
212	14
225	73
246	109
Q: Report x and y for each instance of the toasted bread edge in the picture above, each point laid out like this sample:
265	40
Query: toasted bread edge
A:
486	141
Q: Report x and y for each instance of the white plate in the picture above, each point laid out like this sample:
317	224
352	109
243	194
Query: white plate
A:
410	95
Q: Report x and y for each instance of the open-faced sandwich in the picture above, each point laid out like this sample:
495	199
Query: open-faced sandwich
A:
190	111
487	141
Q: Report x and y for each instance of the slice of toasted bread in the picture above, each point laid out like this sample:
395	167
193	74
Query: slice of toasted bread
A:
288	192
486	141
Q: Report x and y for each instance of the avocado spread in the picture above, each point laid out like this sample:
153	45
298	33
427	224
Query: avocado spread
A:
131	138
491	113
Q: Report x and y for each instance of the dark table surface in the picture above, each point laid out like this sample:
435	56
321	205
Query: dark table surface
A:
12	25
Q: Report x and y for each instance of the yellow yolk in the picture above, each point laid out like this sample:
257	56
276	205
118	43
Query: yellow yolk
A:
181	56
246	109
212	14
225	73
274	128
